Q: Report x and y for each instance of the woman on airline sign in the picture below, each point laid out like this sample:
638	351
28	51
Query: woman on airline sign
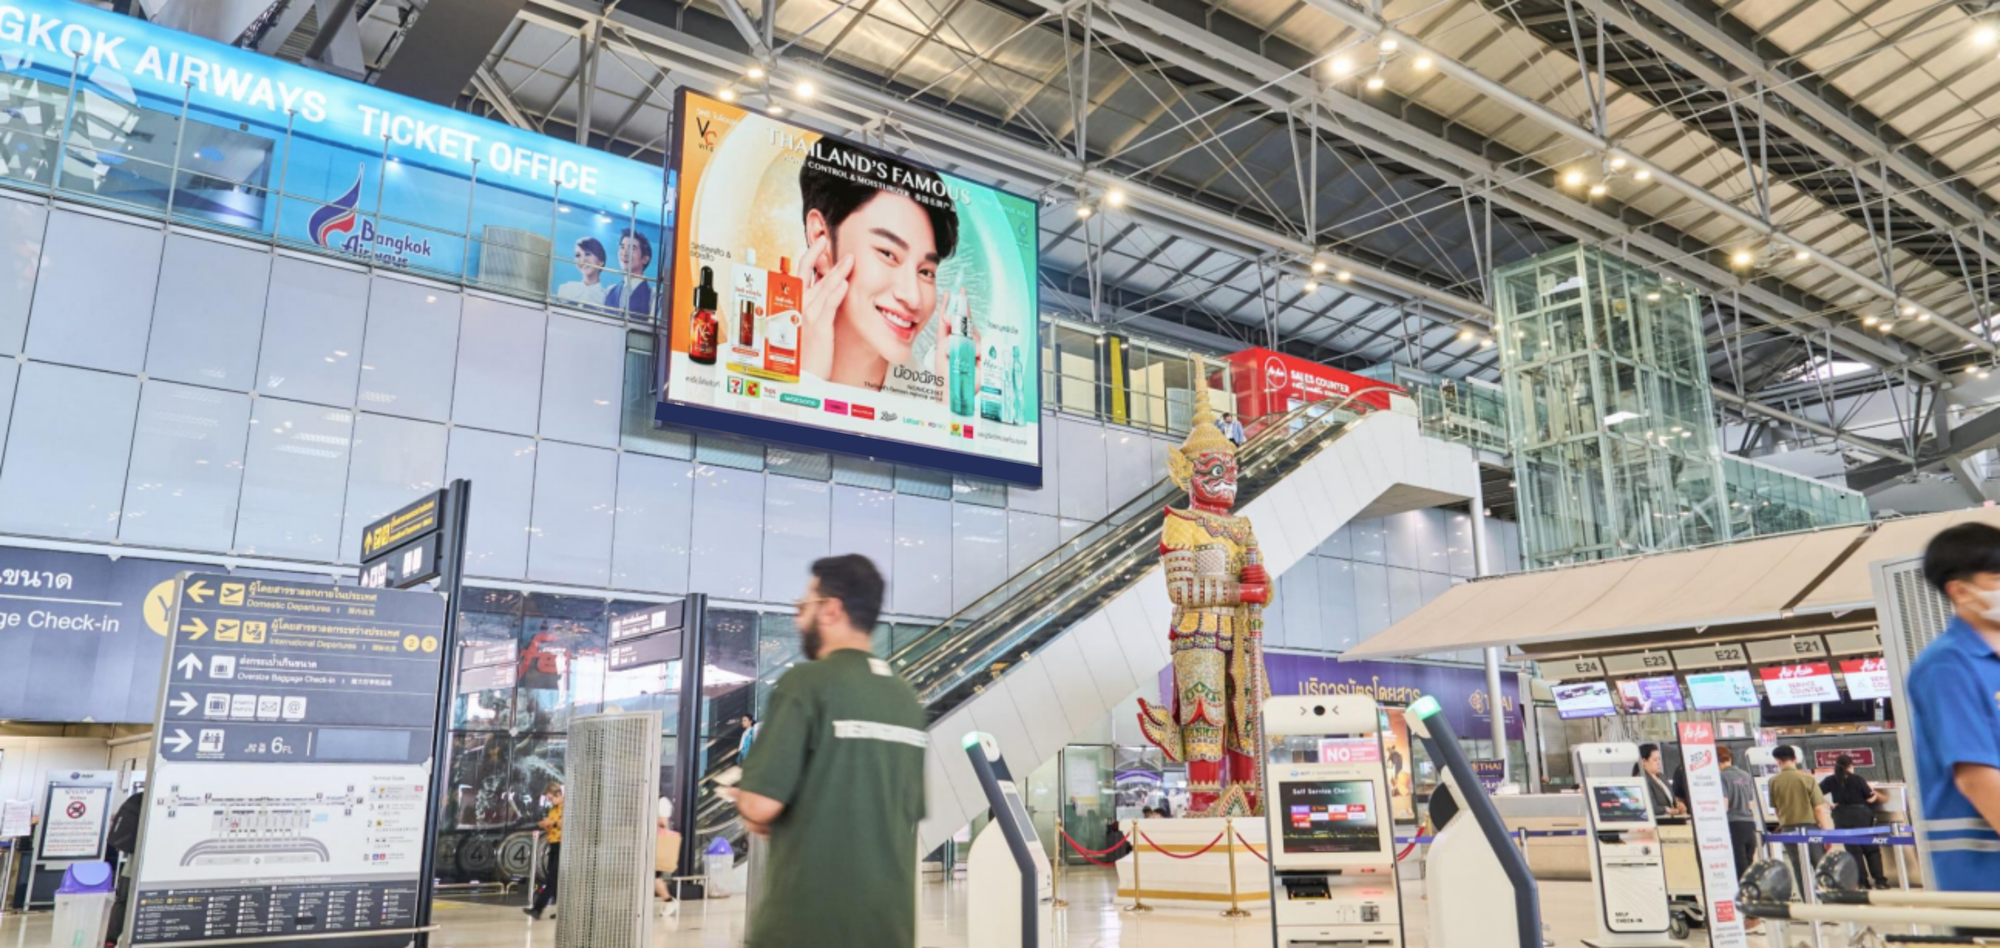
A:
871	266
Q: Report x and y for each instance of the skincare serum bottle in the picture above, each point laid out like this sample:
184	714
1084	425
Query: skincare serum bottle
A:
963	357
1013	398
781	326
702	327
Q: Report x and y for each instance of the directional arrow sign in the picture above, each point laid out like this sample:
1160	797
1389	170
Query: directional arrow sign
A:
199	591
179	741
189	664
195	625
185	704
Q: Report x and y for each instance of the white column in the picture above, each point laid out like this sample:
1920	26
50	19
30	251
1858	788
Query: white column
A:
1482	566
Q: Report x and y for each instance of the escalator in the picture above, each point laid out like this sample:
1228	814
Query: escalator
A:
1093	612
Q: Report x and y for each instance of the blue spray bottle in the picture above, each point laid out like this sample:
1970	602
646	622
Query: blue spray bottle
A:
963	356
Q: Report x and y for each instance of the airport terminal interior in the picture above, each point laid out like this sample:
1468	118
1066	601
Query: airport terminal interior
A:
1339	472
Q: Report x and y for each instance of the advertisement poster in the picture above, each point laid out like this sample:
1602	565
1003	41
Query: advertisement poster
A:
1863	757
291	781
73	824
1583	699
366	174
1720	691
1402	769
825	293
1710	805
1266	381
1650	695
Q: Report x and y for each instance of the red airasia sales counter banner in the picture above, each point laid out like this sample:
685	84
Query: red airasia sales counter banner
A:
1267	381
1710	810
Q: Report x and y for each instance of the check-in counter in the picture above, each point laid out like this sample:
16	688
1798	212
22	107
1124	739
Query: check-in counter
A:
1550	858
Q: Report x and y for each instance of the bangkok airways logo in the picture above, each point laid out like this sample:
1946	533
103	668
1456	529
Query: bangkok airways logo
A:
335	218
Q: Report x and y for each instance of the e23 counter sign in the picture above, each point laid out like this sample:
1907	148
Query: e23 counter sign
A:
250	112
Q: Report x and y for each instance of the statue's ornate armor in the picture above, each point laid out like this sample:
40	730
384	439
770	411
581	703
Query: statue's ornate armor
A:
1219	588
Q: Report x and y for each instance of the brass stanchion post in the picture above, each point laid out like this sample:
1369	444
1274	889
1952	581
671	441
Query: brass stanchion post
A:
1062	830
1235	910
1138	902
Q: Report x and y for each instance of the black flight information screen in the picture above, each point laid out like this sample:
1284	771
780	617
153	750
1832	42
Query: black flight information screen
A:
1329	816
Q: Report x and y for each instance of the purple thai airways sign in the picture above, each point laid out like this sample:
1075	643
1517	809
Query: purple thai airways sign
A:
1461	690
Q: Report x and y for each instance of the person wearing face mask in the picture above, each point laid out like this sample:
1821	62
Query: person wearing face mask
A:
1955	700
837	785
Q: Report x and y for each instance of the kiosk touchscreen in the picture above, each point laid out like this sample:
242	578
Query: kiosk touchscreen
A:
1627	867
1012	889
1333	865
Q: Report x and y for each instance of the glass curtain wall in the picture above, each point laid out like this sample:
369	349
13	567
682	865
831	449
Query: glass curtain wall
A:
1609	409
1765	500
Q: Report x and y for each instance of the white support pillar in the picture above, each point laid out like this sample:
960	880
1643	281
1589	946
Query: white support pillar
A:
1482	566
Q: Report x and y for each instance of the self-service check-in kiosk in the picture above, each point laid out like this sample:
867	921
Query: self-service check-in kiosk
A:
1331	835
1008	870
1627	866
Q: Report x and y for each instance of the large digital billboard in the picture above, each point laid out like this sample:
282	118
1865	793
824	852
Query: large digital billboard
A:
828	294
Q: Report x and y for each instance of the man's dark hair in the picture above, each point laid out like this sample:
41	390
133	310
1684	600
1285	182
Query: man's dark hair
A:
1784	752
645	246
835	196
1725	755
1959	552
590	246
1646	751
854	580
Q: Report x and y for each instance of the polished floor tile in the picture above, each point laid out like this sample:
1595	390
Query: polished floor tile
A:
1092	920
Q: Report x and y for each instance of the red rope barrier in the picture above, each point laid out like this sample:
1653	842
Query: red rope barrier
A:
1088	855
1156	846
1253	849
1407	850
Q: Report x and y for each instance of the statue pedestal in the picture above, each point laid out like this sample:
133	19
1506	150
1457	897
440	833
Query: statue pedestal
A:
1202	881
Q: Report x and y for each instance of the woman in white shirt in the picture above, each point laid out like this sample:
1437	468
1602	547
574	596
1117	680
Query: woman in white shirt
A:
589	289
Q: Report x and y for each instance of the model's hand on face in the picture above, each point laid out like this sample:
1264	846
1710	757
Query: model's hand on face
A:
826	287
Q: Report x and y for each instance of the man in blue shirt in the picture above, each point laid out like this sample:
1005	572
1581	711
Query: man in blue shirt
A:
1954	691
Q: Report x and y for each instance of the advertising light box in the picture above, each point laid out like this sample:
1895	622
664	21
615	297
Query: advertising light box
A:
1650	695
1721	691
1799	684
828	294
1866	677
1583	699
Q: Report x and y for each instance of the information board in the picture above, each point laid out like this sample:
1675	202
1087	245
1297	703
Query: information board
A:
1866	677
17	819
291	769
1709	806
1799	684
73	821
1583	699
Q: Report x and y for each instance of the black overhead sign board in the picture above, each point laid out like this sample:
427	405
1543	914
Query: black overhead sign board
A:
291	765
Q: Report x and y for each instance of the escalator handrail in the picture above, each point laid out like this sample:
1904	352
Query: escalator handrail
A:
965	628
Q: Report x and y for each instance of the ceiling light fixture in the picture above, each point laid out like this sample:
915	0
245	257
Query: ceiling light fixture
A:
1909	310
1653	297
1887	326
1388	44
726	95
1343	276
774	109
1465	335
1376	82
1985	35
1599	189
1319	266
1617	162
1341	65
1574	178
1869	320
1115	197
1421	63
1802	255
1742	258
1083	211
803	89
1312	286
1643	174
756	72
1923	317
1485	343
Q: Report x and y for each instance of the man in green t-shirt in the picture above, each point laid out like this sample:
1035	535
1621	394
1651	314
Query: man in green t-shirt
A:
838	780
1801	808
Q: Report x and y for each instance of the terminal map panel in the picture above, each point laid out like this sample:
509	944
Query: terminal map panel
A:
291	775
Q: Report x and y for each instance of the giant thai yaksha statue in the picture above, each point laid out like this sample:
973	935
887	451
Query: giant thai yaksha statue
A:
1217	582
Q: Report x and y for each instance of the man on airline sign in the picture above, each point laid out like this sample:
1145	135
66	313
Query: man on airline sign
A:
1219	588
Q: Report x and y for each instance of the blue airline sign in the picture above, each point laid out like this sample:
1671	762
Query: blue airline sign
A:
117	52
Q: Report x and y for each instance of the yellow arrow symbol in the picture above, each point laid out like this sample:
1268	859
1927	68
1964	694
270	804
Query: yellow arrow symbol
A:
198	591
195	625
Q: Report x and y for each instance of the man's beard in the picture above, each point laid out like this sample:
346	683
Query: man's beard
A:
810	639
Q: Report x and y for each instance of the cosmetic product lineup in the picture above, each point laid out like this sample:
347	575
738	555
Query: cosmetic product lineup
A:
757	335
